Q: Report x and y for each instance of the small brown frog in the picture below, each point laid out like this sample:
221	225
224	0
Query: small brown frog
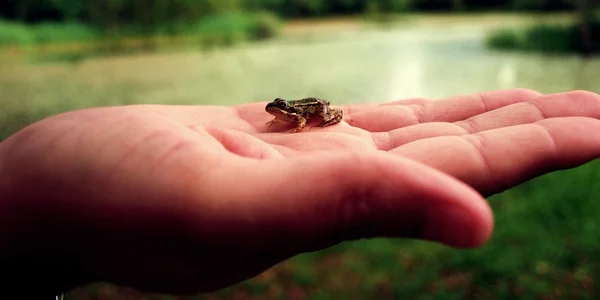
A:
299	111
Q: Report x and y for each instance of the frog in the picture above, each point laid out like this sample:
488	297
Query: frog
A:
300	111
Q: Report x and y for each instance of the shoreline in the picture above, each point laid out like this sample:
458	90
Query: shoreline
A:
290	29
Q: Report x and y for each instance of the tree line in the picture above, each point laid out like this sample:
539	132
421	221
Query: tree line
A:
176	16
147	12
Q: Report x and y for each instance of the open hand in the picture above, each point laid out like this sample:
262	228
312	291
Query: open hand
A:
184	199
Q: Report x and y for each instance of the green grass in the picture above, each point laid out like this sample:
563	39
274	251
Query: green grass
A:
17	34
208	32
46	33
239	25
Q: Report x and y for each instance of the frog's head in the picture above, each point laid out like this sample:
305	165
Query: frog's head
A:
279	107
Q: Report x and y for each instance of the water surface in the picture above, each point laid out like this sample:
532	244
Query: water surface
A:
361	64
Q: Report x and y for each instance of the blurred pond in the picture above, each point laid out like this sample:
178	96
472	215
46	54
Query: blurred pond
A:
357	64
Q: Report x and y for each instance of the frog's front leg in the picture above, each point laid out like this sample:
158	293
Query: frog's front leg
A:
271	122
287	118
300	121
330	117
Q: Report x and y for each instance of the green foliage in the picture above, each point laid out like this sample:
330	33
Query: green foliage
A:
151	13
229	28
378	14
15	34
505	38
264	25
541	5
548	38
212	30
223	29
395	5
18	34
217	21
70	10
551	38
64	32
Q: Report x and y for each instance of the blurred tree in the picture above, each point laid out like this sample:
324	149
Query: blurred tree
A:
586	14
272	5
395	5
217	6
29	10
107	14
148	14
432	5
458	5
349	5
542	5
69	10
22	9
304	7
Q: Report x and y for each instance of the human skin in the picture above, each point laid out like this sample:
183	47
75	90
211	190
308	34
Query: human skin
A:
188	199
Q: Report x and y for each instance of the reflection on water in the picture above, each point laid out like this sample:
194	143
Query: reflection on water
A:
507	75
362	66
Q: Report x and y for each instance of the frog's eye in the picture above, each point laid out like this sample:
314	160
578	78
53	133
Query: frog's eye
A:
281	103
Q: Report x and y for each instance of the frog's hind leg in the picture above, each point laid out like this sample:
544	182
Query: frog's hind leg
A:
332	117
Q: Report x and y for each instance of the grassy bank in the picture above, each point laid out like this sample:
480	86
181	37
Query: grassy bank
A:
64	39
544	38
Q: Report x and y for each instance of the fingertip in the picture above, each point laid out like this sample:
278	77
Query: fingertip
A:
524	93
485	223
460	225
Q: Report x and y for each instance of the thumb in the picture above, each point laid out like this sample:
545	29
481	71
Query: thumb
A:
320	200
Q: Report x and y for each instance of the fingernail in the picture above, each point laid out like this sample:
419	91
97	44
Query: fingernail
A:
450	225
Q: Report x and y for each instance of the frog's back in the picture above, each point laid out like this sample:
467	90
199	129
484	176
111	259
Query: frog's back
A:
309	107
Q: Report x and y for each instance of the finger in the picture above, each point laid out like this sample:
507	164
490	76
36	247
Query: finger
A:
568	104
389	116
494	160
317	201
